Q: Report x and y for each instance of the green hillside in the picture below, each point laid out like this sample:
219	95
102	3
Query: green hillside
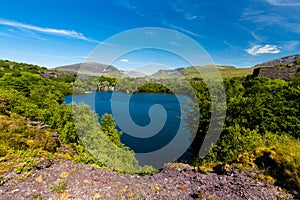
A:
37	125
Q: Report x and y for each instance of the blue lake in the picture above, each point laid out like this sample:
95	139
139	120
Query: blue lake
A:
138	105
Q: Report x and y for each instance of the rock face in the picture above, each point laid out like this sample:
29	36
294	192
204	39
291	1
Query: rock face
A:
286	73
105	86
284	60
49	74
39	125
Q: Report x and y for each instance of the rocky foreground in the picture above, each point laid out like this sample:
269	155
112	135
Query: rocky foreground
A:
67	180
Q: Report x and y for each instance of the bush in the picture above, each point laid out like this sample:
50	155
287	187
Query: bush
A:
234	141
108	127
280	158
275	155
98	145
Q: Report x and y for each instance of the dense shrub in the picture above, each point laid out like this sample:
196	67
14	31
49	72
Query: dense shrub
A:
234	141
101	145
262	127
108	126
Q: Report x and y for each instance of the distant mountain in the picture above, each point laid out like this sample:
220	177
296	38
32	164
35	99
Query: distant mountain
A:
134	74
93	68
284	60
169	73
88	68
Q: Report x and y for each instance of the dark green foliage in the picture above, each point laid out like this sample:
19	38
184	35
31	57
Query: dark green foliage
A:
175	86
204	106
111	81
9	66
108	127
259	104
34	97
235	141
84	84
296	81
269	105
154	87
297	62
101	147
262	127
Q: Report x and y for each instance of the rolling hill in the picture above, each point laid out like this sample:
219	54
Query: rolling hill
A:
225	71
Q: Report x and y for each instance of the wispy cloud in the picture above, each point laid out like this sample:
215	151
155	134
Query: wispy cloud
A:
260	49
33	34
255	36
289	45
228	44
7	35
51	31
185	9
130	6
124	60
174	43
284	2
172	26
190	17
294	27
262	17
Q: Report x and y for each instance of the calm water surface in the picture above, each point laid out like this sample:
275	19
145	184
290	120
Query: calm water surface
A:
139	106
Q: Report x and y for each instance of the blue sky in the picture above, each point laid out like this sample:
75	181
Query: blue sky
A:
236	32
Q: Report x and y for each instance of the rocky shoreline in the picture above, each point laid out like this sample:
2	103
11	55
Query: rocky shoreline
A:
68	180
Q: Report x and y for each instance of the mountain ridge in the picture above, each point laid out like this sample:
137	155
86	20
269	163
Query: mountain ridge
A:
190	71
93	67
286	60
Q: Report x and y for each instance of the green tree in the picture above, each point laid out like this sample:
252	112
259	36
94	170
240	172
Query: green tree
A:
108	127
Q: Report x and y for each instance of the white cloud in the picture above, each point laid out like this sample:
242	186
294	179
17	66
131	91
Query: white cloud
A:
266	49
52	31
124	60
190	17
284	2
